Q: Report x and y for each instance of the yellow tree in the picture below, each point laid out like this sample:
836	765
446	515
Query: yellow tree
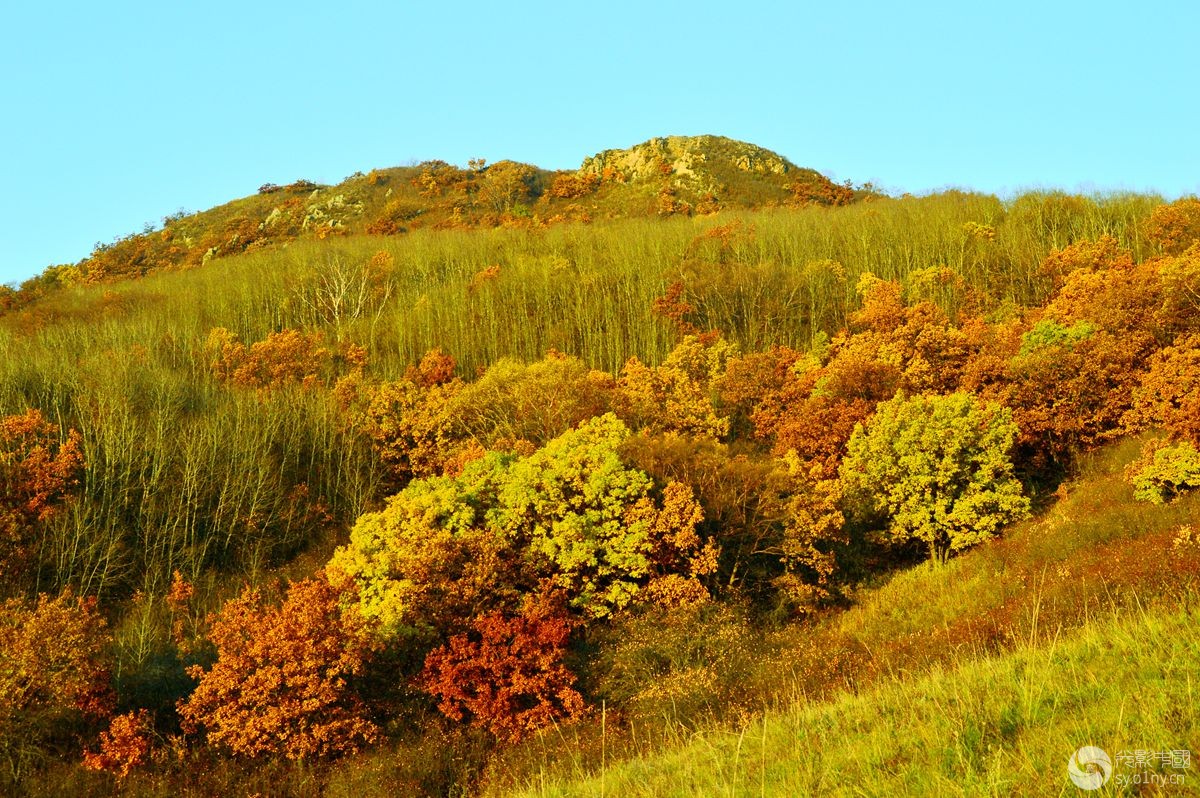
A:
938	468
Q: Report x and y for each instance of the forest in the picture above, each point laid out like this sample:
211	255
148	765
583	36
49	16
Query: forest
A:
495	480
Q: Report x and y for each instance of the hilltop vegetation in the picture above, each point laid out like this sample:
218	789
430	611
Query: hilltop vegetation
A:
662	177
374	511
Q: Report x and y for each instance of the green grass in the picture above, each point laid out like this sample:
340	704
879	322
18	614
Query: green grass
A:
997	726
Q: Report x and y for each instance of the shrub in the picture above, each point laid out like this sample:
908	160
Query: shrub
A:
285	357
53	673
38	470
506	674
571	514
1165	471
1176	225
573	185
280	683
678	395
125	746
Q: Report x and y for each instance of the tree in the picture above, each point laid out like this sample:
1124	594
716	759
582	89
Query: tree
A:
408	421
53	673
938	467
1169	393
279	685
572	515
37	471
283	358
506	673
676	396
777	520
1164	471
1175	226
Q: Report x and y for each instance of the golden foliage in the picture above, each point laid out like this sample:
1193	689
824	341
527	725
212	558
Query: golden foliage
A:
38	470
573	185
283	358
678	395
124	746
1175	226
53	670
279	685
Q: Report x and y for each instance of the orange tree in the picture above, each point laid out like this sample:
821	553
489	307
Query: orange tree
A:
38	469
54	675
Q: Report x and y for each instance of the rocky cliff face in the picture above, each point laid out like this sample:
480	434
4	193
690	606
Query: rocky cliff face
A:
686	158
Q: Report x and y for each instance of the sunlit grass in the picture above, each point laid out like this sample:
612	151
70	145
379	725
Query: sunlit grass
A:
1000	725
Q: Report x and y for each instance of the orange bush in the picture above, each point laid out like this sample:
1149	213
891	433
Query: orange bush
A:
1175	226
1068	397
125	746
435	368
53	670
820	192
285	357
572	185
409	423
675	309
754	378
678	395
280	683
1111	292
38	470
1169	393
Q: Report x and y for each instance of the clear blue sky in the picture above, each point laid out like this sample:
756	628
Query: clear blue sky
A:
115	114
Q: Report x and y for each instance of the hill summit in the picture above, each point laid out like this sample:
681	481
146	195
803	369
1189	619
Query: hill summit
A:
686	157
666	176
706	171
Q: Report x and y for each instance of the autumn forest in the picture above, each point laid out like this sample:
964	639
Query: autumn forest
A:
493	480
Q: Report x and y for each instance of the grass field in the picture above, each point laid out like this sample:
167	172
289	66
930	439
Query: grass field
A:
998	726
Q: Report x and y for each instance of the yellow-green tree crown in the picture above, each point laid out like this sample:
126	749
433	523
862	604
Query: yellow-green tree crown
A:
938	468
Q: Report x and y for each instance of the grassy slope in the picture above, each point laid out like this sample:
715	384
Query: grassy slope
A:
982	677
400	199
1001	725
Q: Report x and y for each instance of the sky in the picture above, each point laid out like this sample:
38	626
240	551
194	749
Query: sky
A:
116	114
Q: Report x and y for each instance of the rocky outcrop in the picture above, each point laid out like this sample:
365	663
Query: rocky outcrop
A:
686	158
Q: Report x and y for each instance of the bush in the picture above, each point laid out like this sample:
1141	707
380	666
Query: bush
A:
53	674
937	467
1165	471
280	685
506	674
38	470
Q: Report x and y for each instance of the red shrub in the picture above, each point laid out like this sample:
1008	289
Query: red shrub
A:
506	674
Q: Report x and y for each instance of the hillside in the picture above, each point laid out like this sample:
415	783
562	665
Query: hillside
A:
678	175
480	502
1000	725
1079	627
